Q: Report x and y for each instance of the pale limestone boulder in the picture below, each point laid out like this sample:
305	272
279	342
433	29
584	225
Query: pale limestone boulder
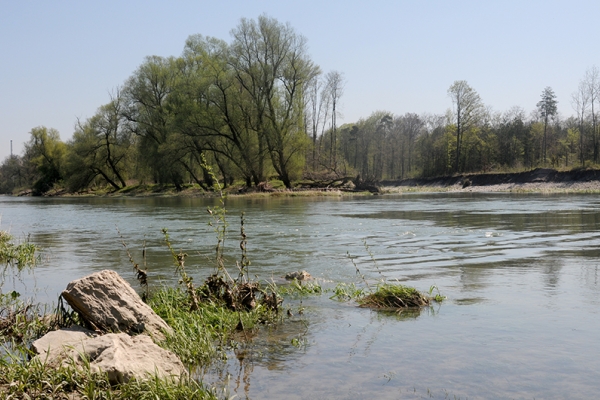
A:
62	337
106	301
120	356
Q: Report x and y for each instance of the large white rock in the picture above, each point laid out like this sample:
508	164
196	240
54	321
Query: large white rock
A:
62	337
106	301
119	355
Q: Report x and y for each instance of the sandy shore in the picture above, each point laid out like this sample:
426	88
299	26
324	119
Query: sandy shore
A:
529	187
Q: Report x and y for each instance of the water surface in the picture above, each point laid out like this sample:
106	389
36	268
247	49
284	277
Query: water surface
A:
520	273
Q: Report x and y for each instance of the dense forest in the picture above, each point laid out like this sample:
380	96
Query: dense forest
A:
259	108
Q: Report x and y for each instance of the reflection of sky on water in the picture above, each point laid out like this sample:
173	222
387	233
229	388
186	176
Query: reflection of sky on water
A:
520	271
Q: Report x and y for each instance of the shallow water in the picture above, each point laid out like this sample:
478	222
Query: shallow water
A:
520	272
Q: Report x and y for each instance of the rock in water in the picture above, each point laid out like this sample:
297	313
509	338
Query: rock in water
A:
119	355
299	276
106	301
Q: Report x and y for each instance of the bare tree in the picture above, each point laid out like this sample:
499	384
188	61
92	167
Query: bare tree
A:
468	109
591	83
335	88
547	108
581	104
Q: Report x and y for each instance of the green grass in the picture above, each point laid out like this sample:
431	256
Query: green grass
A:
202	336
19	255
298	288
346	292
21	379
199	338
390	296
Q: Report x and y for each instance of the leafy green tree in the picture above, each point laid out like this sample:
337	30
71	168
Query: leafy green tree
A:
44	154
101	148
273	69
150	118
11	174
215	114
511	131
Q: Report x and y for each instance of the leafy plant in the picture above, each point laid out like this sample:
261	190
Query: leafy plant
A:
298	288
438	296
345	292
19	255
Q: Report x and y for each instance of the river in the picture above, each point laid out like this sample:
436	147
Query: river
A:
520	272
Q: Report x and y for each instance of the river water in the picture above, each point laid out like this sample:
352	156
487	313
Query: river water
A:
520	272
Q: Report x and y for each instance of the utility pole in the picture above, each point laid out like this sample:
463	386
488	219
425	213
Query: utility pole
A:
11	148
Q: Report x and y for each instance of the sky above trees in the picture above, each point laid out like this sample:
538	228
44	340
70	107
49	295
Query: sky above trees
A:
61	60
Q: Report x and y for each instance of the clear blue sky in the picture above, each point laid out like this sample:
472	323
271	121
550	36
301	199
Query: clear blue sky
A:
60	59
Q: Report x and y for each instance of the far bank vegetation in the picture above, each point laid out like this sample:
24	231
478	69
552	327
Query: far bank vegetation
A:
259	109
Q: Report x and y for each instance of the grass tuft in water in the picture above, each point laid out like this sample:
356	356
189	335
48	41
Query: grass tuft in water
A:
18	255
299	288
388	295
346	292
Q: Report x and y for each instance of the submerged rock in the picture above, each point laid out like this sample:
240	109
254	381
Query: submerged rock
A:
119	355
107	302
299	276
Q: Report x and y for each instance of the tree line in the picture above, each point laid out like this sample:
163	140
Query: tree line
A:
259	108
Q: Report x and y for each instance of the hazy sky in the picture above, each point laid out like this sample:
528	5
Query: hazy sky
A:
60	59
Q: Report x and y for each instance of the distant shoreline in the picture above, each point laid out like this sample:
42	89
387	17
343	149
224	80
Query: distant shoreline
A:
541	180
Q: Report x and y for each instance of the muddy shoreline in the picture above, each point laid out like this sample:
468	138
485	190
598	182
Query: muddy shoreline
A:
537	180
542	180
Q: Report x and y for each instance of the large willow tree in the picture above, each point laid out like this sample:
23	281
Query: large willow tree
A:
273	70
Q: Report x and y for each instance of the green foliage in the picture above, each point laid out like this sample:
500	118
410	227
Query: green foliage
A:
101	149
12	175
299	288
249	108
23	379
438	298
346	292
44	155
21	321
203	335
20	255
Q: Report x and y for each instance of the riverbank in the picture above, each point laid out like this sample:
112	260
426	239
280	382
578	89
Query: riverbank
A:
540	180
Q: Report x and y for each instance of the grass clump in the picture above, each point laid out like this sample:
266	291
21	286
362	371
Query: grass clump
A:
388	295
298	288
22	379
21	322
19	255
201	336
346	292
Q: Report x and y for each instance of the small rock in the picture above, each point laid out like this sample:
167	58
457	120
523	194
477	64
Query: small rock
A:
299	276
